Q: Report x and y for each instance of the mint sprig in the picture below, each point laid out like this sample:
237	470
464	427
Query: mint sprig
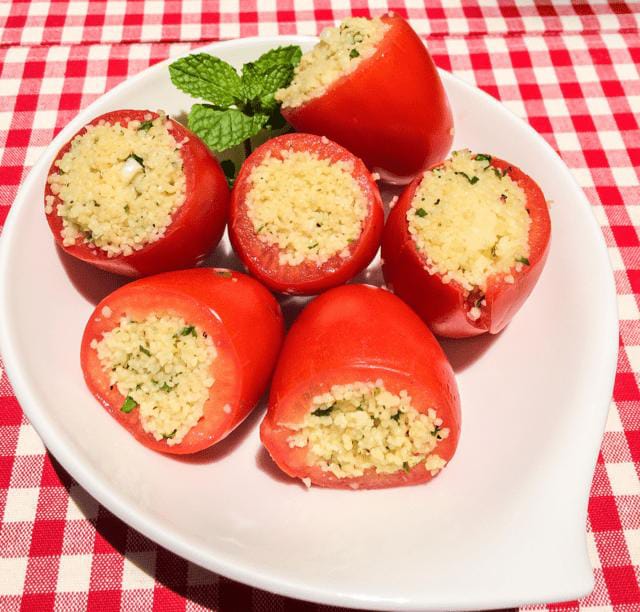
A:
237	106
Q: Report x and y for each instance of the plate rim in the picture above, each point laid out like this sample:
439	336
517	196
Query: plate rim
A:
100	490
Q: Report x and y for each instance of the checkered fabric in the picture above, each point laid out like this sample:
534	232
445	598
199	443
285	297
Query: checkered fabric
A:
570	69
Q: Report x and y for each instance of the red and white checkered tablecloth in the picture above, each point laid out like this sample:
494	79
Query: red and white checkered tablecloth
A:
571	69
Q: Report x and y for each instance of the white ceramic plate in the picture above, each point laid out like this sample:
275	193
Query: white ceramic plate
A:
504	524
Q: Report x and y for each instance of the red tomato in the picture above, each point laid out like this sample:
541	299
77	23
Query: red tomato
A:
239	314
357	333
392	110
197	225
444	307
307	278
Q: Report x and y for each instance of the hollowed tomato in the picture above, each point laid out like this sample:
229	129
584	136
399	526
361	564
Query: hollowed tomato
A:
357	333
240	315
391	111
445	306
308	277
196	227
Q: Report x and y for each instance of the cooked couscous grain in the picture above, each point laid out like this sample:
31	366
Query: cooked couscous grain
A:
162	366
470	221
362	425
340	50
118	185
311	208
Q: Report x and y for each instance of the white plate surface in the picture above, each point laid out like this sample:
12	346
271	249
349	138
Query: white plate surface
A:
504	524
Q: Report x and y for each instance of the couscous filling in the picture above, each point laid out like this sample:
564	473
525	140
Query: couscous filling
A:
118	186
340	50
470	221
362	425
310	208
162	366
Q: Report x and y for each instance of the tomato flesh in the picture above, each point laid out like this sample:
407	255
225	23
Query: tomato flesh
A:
243	320
196	227
391	111
349	334
445	307
307	278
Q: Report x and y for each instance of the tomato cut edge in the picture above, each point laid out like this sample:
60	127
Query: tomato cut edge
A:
291	409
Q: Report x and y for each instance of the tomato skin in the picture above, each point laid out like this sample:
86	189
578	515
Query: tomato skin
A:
240	315
391	111
306	278
356	333
444	307
197	225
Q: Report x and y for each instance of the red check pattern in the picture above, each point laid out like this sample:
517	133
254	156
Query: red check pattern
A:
570	68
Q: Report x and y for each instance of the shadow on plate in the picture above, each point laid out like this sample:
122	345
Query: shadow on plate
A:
93	284
228	445
224	257
464	352
266	465
371	275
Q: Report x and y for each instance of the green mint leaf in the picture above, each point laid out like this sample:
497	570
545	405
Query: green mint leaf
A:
281	55
405	467
251	82
189	330
165	387
273	79
270	72
145	126
523	260
129	405
354	53
421	212
168	436
207	77
259	86
483	157
229	169
144	350
222	130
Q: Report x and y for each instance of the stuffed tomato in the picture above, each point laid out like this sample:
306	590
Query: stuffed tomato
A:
371	85
362	396
181	358
305	214
466	244
136	193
